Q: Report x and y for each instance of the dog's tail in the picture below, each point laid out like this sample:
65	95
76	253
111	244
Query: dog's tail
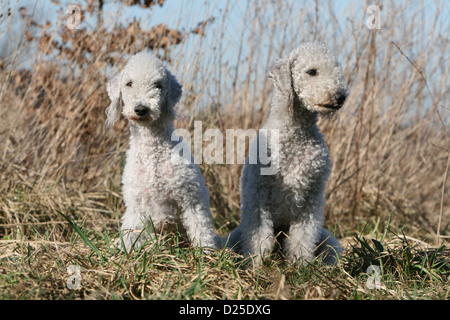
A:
231	240
329	248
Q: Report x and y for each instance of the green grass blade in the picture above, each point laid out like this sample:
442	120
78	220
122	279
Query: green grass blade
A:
387	226
83	236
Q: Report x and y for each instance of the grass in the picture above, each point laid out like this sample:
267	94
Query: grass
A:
60	169
167	268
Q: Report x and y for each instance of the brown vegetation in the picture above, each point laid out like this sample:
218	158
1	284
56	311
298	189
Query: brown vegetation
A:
389	145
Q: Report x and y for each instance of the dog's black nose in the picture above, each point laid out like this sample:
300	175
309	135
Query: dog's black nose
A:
340	98
141	110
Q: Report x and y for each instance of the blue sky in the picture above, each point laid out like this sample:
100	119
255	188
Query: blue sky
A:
185	14
236	26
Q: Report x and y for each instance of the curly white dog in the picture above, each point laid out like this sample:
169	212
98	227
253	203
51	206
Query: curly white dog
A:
159	187
307	82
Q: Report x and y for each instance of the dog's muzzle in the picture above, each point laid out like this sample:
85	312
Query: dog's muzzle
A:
337	101
340	98
141	111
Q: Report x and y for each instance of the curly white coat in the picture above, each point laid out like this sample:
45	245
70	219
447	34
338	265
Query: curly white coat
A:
308	81
160	188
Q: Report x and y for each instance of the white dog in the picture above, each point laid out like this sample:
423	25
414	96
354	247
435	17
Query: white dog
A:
159	187
308	81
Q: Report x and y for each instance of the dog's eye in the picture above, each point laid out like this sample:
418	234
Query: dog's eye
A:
312	72
158	85
129	84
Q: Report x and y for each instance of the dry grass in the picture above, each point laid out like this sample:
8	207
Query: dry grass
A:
389	147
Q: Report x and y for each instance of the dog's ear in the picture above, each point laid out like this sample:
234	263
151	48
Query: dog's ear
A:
173	94
115	95
281	76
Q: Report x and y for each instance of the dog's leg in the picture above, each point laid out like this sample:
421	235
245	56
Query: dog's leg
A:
132	230
258	237
197	221
303	238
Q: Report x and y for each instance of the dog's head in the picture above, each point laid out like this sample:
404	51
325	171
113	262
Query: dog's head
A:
312	75
143	92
